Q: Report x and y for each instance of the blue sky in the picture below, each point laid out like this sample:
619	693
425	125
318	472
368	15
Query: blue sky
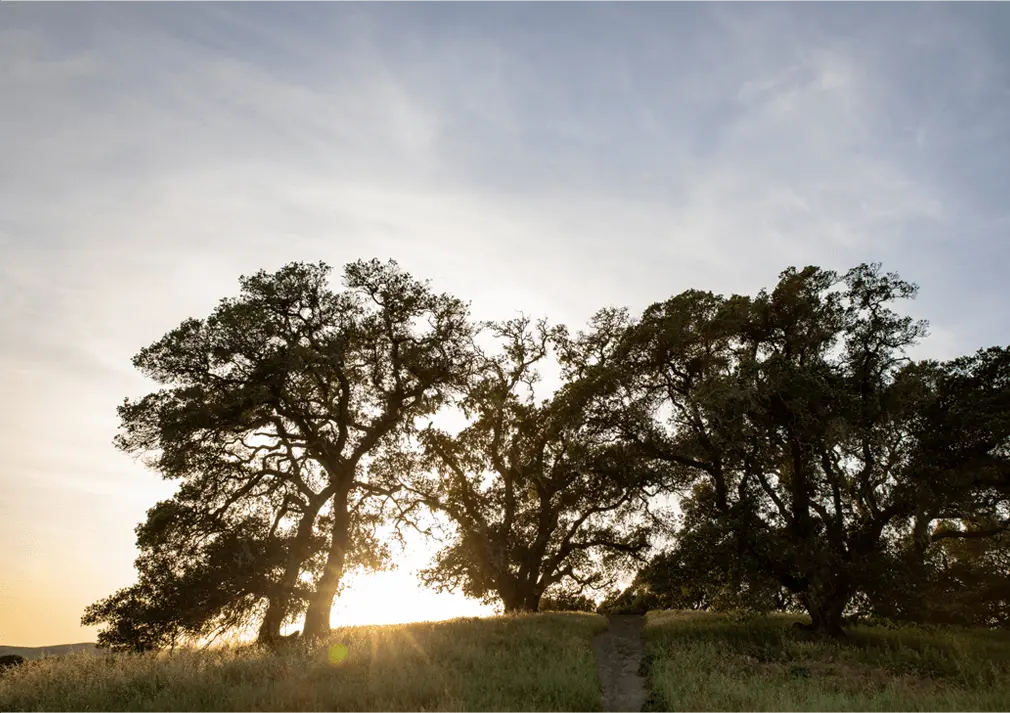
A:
552	158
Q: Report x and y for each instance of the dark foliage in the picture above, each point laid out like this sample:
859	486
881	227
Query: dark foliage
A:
269	409
10	661
540	495
815	464
561	600
806	435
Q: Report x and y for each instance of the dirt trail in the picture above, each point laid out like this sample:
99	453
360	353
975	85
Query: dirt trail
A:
618	655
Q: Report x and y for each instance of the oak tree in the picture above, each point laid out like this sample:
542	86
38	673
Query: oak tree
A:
801	416
284	392
541	497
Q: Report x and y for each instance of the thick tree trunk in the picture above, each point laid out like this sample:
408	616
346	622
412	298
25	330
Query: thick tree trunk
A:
280	603
825	611
270	628
513	606
521	600
317	617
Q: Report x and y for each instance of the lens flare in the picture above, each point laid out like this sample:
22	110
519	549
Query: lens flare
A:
338	654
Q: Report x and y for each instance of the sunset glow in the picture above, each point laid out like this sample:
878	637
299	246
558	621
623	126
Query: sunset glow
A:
397	598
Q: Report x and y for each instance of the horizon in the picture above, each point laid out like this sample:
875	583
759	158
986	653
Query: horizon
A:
550	159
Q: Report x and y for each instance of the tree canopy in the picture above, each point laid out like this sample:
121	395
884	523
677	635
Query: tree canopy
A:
276	399
807	433
813	462
541	495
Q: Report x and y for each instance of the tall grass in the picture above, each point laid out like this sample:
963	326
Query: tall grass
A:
708	662
537	662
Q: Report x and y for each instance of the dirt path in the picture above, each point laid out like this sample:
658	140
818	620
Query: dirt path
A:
618	655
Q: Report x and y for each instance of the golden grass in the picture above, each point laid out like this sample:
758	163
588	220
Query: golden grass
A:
710	662
536	662
694	661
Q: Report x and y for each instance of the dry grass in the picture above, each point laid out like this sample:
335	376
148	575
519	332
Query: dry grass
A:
694	661
708	662
538	662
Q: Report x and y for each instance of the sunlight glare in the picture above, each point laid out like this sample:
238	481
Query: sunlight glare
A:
396	597
338	654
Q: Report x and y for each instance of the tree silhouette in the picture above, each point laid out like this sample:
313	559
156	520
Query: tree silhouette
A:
540	495
803	419
281	394
815	462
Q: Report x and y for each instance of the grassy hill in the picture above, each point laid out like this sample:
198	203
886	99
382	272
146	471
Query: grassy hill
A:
539	662
706	662
37	652
694	662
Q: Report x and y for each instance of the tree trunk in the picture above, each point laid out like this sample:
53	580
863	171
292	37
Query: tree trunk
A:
280	603
519	606
521	600
317	617
825	613
277	608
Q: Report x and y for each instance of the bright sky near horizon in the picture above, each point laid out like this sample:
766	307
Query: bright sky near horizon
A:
551	158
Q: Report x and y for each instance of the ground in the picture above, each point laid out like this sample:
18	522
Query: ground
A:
618	653
689	661
533	662
696	661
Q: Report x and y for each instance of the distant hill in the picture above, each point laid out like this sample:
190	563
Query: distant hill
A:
37	652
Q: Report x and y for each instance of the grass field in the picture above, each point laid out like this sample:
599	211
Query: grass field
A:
707	662
693	662
541	662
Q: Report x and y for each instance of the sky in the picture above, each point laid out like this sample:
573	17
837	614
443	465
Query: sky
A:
544	158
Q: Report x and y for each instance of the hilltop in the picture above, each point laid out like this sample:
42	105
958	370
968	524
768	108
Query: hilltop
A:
690	661
536	662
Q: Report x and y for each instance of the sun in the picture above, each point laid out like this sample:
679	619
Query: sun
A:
397	597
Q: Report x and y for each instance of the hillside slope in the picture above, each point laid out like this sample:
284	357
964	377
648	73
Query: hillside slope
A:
37	652
541	662
697	661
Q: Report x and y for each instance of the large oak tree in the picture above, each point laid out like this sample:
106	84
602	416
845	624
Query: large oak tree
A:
286	390
542	496
797	420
